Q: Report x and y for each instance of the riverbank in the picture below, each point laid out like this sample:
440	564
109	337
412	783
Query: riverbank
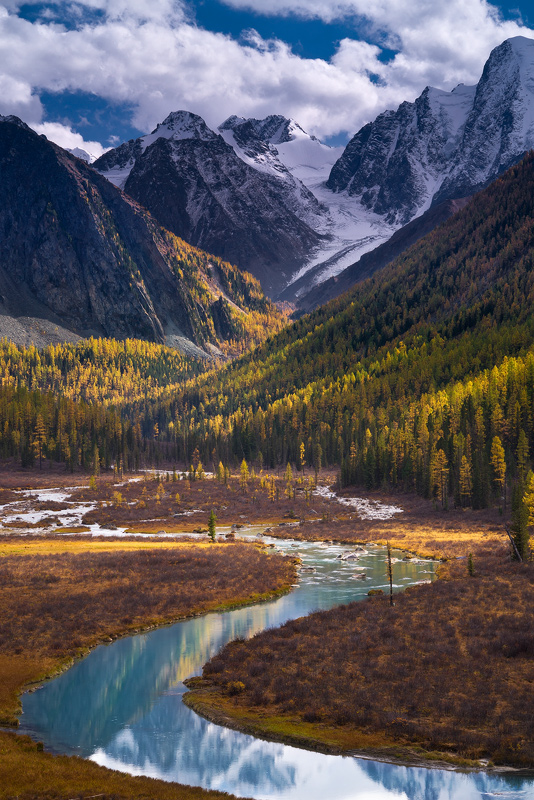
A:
30	774
418	527
150	504
445	675
61	596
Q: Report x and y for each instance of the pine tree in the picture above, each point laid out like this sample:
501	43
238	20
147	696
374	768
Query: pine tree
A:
39	437
465	481
528	497
302	456
211	526
522	456
498	464
244	476
470	565
519	526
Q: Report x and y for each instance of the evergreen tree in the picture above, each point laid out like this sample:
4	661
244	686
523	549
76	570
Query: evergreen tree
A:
211	526
244	476
519	526
498	464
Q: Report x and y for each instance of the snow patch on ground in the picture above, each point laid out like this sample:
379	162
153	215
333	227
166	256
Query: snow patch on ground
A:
366	509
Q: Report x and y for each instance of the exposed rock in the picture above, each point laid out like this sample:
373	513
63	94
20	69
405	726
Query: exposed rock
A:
84	258
445	144
195	185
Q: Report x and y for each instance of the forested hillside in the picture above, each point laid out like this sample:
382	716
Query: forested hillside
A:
421	377
39	428
103	371
78	254
62	403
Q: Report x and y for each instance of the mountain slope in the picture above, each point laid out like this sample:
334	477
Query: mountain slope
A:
373	260
302	165
195	185
446	144
439	343
77	252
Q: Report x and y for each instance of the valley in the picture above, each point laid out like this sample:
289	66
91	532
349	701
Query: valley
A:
267	452
61	554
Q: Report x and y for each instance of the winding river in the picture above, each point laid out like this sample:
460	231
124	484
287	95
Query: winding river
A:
122	705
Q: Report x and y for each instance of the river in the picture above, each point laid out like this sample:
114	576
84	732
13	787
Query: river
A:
122	705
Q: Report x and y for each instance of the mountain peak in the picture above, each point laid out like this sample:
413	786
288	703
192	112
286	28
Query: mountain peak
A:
232	122
179	125
520	45
14	121
446	144
89	158
274	129
517	50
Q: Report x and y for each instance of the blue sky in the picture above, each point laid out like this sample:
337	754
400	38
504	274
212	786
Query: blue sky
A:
92	73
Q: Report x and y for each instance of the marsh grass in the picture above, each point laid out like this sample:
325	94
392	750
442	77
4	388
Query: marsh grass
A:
29	774
449	668
60	596
54	604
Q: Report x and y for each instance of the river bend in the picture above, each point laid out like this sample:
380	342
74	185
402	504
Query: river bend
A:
122	705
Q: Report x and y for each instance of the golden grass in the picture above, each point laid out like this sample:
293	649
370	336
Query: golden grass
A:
28	774
60	596
419	528
48	546
212	704
16	672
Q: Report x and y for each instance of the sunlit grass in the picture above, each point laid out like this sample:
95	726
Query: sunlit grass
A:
60	596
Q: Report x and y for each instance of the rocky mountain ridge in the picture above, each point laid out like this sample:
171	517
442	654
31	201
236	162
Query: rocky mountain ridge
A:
270	197
195	184
445	145
80	255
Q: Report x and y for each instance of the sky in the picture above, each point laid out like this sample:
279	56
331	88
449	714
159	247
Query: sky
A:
94	73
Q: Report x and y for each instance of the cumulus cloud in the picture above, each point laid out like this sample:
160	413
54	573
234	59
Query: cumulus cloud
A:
17	97
148	55
439	43
64	136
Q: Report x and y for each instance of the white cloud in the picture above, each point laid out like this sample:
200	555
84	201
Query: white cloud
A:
65	137
16	97
145	53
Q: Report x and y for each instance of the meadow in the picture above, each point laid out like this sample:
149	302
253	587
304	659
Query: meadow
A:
446	673
60	596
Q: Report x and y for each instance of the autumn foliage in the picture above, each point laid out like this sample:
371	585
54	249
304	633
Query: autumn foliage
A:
404	382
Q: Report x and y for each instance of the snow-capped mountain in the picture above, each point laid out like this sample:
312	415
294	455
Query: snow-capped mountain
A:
89	158
196	185
281	147
275	200
254	142
446	144
78	257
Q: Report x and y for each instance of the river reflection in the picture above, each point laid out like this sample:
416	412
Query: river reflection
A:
122	705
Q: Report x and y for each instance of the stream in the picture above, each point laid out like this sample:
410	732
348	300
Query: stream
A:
122	706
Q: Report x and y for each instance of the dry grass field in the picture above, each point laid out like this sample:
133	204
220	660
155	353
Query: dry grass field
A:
29	774
448	670
60	596
419	528
297	686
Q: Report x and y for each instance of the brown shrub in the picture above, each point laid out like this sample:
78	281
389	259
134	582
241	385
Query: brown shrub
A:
449	667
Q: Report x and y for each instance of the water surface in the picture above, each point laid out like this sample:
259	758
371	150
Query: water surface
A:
122	705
